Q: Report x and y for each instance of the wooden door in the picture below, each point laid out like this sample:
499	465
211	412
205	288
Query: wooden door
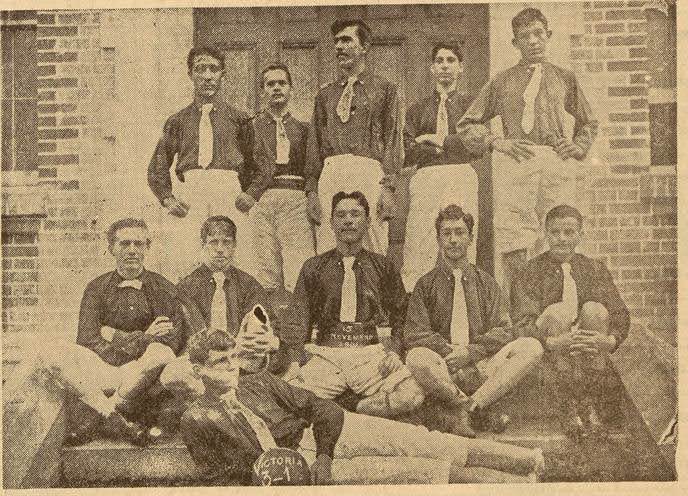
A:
403	36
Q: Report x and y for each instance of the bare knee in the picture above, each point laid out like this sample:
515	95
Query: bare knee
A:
158	354
554	321
594	317
421	358
406	397
530	347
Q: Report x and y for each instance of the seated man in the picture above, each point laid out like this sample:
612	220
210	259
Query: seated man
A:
130	326
221	295
570	303
457	331
347	292
242	415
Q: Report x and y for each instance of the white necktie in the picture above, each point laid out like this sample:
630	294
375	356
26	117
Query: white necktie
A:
569	294
529	95
205	137
347	311
344	105
131	283
459	321
257	424
442	117
282	142
218	307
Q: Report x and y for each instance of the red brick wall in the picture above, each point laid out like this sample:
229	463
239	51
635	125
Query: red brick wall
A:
632	221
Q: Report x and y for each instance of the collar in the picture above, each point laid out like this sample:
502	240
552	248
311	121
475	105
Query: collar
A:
116	278
285	117
553	264
448	272
207	274
526	65
357	257
361	78
450	95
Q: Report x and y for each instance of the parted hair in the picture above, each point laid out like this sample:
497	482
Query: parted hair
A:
218	223
111	233
563	212
274	67
454	212
204	50
525	17
452	47
355	195
362	29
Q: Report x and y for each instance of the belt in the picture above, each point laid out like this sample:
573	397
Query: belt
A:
350	335
288	182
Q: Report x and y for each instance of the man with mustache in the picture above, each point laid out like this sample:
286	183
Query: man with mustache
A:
355	140
212	142
130	327
443	171
535	165
283	237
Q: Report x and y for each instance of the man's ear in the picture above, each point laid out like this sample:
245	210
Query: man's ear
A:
549	33
514	42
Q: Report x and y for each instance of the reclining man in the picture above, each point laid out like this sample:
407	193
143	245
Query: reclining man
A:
458	333
240	416
347	292
570	303
130	327
221	296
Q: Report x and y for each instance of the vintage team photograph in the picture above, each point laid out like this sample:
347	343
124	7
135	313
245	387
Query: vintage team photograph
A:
387	244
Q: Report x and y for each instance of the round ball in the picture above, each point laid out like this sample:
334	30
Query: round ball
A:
281	467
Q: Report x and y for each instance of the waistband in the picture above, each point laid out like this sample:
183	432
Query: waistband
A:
209	172
349	335
288	182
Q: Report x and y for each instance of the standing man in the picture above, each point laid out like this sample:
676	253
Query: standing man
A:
571	304
221	297
130	327
356	137
282	234
443	171
535	165
458	333
212	141
347	292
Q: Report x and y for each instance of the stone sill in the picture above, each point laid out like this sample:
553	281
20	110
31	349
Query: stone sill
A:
659	183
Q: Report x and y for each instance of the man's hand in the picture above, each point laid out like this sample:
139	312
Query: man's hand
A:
260	343
321	471
176	207
313	208
431	139
592	342
519	150
457	359
107	333
390	364
566	148
161	326
385	204
562	342
244	202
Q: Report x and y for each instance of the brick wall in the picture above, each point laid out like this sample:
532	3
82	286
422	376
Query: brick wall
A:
632	221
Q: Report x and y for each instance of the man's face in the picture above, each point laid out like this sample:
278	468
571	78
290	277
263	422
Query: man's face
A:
218	373
218	250
349	221
563	235
276	87
129	248
454	239
348	48
206	74
531	40
446	67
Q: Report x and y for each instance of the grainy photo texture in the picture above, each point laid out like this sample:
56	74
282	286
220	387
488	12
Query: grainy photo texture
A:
373	244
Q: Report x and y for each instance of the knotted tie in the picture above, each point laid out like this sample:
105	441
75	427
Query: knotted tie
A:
131	283
218	307
205	137
347	311
459	322
344	105
282	142
442	117
529	95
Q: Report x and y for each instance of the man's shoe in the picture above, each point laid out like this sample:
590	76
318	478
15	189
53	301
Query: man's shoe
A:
460	424
572	422
117	427
486	419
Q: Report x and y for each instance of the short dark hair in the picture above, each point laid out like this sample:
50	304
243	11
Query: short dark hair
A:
355	195
120	224
454	212
362	29
218	224
274	67
453	47
203	341
525	17
563	212
204	50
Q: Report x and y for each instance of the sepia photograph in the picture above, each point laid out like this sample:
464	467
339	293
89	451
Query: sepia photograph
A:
383	244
